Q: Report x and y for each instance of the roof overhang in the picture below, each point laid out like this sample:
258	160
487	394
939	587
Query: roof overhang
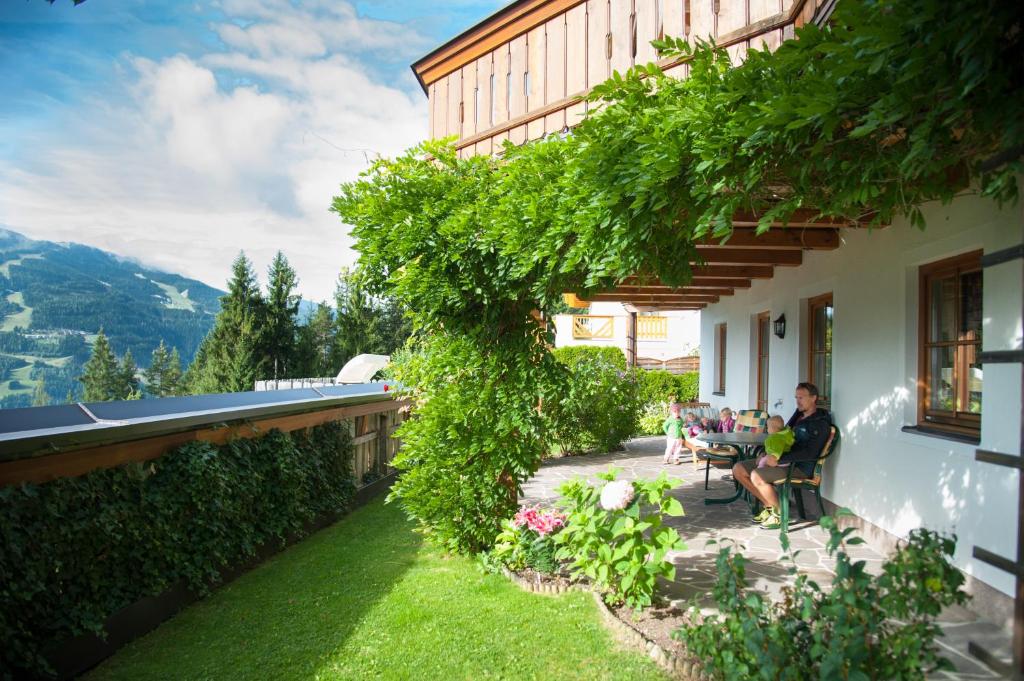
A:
497	29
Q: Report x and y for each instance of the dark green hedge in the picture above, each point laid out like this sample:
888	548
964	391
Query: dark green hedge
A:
658	385
572	355
74	551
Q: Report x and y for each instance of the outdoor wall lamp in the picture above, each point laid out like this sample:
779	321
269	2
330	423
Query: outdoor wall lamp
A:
780	326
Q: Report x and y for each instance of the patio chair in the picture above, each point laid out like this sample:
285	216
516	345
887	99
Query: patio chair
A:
797	485
747	421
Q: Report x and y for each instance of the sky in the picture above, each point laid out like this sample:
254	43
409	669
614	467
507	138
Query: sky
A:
177	133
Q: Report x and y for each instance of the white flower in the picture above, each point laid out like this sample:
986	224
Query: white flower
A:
617	495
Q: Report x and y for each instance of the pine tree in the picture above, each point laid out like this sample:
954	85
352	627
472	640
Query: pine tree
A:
164	372
317	344
102	377
39	396
282	307
128	387
231	357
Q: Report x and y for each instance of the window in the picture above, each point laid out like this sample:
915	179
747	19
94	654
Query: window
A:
949	341
819	346
764	325
720	359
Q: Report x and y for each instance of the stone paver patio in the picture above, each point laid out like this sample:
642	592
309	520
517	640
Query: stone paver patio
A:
695	567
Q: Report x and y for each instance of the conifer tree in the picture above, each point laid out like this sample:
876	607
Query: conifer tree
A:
231	357
102	377
282	308
128	378
316	344
39	396
164	372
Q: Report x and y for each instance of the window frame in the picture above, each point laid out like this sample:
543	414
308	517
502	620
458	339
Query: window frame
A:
823	300
763	359
721	335
958	422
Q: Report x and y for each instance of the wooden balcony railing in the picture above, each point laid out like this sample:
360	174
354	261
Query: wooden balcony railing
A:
652	328
589	327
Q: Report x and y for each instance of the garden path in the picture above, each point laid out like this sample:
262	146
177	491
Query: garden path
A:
695	567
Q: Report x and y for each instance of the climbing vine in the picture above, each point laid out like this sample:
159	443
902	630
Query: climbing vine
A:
894	104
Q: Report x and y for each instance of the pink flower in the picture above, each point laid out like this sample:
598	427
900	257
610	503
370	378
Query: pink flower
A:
541	522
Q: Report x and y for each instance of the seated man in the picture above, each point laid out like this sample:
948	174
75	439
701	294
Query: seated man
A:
811	428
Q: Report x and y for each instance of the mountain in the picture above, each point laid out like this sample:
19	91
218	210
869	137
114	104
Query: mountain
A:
54	298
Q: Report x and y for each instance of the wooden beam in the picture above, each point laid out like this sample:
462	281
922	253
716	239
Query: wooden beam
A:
778	237
640	299
749	256
802	217
696	282
713	272
665	291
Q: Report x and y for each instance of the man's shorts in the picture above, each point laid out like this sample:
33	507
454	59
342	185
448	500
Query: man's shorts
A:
770	474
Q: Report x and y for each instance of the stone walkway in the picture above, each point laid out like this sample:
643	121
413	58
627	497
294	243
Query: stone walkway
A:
695	567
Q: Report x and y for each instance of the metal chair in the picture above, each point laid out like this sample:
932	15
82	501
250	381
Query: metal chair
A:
799	484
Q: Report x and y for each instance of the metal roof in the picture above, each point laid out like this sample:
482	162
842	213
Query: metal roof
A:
30	430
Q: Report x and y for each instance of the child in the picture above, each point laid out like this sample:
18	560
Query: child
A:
726	423
673	428
693	427
778	442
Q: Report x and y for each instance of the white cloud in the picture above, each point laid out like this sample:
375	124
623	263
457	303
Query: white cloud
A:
200	155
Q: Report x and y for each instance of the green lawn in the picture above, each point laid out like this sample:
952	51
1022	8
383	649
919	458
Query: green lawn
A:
367	599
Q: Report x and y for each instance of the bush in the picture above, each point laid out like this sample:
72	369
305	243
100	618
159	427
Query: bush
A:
658	385
865	627
599	406
572	355
652	418
623	550
525	541
75	550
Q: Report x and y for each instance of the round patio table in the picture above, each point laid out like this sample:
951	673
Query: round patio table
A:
747	443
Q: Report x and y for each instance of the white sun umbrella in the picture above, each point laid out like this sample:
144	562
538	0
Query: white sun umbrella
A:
361	368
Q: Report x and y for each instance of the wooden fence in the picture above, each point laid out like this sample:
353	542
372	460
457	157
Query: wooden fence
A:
676	365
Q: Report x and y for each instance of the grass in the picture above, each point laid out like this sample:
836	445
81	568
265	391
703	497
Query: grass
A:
176	299
367	599
22	318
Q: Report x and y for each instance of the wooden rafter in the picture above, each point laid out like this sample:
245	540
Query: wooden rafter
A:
671	292
789	237
749	256
641	299
696	282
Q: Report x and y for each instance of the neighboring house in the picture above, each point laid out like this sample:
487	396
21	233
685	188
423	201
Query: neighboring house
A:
902	329
668	339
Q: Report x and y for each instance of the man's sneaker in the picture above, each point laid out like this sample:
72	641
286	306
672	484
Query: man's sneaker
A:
762	516
773	521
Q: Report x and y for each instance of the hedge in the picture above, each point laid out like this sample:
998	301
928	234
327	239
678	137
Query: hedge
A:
76	550
572	355
658	385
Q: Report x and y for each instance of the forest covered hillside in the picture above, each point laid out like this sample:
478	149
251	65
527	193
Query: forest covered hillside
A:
55	297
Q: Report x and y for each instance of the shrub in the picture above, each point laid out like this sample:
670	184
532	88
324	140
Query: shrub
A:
75	550
598	408
622	550
865	627
658	385
572	355
526	540
652	418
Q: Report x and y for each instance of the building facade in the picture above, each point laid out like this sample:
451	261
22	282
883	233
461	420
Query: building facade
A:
901	328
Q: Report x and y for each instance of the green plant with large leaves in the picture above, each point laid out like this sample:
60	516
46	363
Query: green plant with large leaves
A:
622	550
866	626
894	104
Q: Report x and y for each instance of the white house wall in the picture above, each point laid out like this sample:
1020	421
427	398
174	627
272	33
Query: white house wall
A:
682	338
894	479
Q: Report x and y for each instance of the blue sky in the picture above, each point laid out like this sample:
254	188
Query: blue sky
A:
177	132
